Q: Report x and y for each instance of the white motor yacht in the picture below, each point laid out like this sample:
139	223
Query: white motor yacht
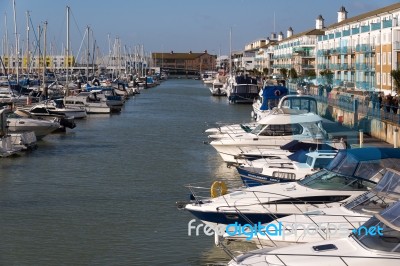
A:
6	146
57	107
275	170
273	131
218	88
376	242
89	101
351	173
297	104
328	223
17	124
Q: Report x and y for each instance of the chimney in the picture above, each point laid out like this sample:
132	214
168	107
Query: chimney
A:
280	36
273	36
289	32
341	14
205	51
319	24
190	52
172	52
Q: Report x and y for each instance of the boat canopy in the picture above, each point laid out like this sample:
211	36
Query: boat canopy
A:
365	163
389	185
271	95
284	119
391	216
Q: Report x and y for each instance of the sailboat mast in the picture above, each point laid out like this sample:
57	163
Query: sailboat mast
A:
44	52
16	41
27	44
88	55
67	57
6	43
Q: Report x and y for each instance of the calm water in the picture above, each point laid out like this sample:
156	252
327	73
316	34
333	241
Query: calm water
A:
105	192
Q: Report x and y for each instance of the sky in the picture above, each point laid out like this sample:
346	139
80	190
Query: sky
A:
171	25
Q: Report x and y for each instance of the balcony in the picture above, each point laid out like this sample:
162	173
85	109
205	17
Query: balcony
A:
346	33
387	23
365	28
375	26
355	31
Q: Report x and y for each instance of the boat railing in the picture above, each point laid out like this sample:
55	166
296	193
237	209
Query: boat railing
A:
201	191
324	231
343	258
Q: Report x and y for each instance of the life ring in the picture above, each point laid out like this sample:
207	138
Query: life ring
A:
277	93
218	188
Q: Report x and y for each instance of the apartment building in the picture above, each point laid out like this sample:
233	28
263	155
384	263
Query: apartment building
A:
362	50
297	50
34	63
186	61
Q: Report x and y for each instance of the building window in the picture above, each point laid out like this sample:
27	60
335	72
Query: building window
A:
383	78
384	58
389	79
378	78
378	57
389	58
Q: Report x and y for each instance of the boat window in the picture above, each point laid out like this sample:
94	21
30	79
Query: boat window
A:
374	170
315	130
311	199
301	104
284	175
336	161
245	128
328	180
388	241
39	110
346	166
258	128
389	184
310	161
282	130
369	203
321	162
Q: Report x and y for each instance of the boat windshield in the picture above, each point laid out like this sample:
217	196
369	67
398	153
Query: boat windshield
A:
328	180
310	161
258	129
387	241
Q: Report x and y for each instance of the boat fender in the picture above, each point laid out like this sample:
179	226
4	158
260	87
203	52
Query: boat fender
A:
277	93
218	188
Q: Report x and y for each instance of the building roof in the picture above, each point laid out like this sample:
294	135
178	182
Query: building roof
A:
182	56
307	32
366	15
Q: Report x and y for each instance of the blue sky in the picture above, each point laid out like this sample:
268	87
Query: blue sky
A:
178	25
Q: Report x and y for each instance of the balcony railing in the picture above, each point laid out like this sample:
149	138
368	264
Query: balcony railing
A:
387	23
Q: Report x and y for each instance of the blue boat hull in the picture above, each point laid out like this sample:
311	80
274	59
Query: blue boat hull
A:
229	218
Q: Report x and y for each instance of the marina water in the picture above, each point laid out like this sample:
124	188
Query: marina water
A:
105	192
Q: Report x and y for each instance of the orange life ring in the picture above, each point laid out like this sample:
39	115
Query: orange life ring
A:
218	188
